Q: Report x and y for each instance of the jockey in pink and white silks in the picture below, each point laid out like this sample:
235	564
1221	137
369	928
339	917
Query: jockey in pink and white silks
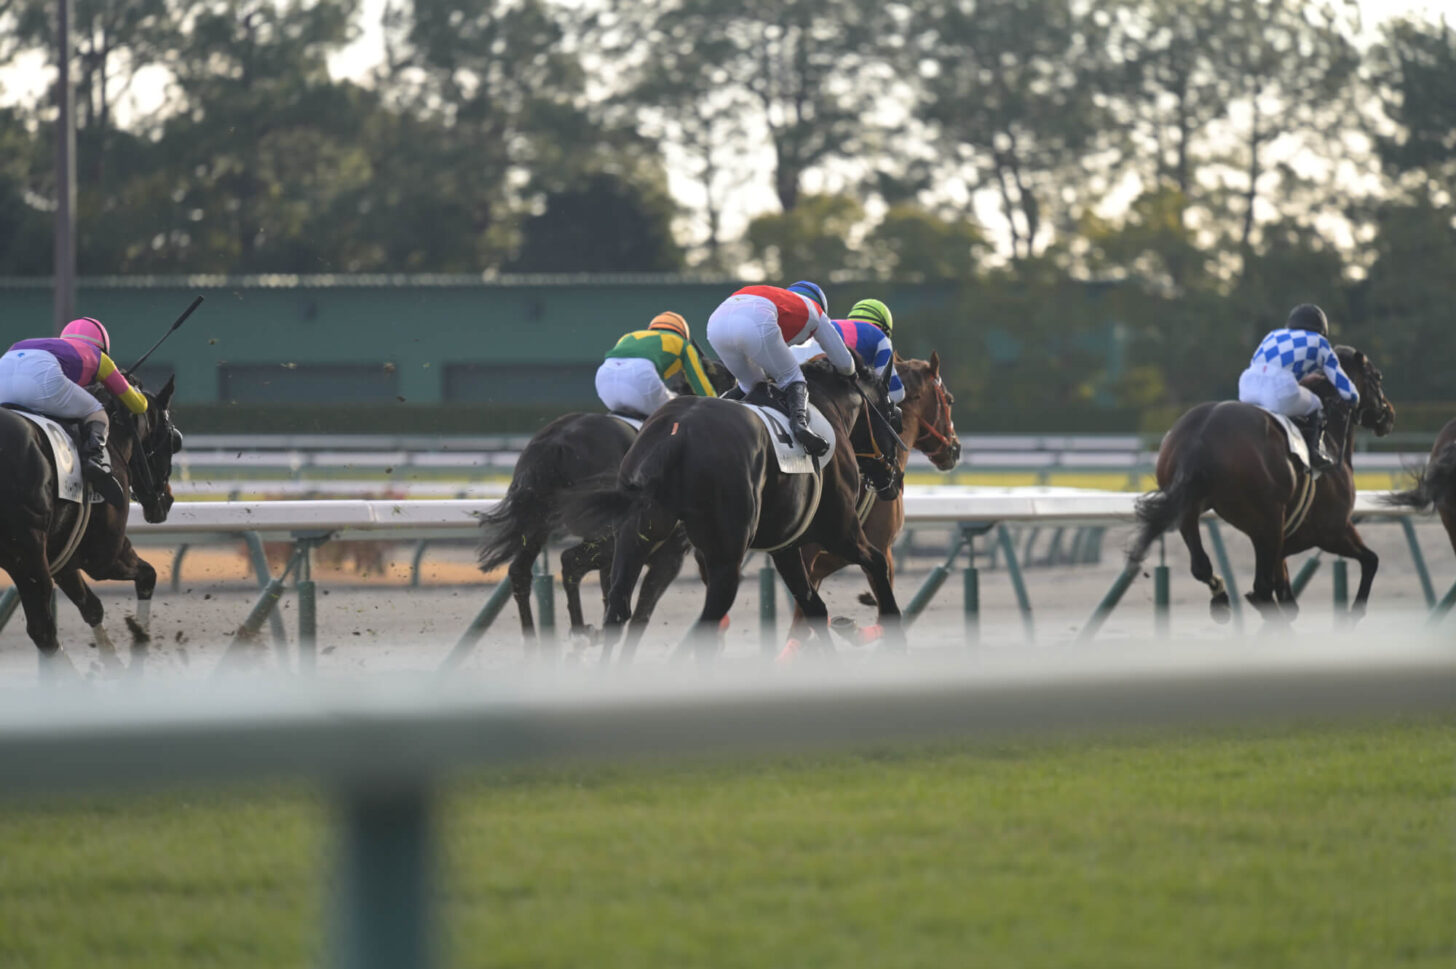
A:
752	331
49	376
1286	355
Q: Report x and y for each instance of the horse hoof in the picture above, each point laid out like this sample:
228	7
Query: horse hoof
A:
1220	609
139	634
723	624
790	651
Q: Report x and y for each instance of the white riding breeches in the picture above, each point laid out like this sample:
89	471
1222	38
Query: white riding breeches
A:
745	334
631	384
34	380
1275	389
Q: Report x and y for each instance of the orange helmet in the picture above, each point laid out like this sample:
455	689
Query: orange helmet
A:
671	321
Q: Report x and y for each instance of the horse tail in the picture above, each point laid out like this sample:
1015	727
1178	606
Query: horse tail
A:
602	506
1435	484
528	508
1159	511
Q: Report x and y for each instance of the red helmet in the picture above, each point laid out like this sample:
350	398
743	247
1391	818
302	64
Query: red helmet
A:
89	330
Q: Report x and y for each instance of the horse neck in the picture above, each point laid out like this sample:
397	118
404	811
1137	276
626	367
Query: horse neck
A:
838	401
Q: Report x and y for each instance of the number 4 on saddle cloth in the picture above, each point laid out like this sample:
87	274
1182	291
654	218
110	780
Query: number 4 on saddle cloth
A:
773	411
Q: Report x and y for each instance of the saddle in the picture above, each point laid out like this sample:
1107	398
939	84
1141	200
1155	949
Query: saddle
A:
1305	476
631	418
64	437
771	407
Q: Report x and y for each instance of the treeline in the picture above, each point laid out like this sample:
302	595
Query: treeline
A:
1183	170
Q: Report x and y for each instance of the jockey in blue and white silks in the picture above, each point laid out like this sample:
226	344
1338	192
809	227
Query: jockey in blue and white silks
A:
1283	358
866	332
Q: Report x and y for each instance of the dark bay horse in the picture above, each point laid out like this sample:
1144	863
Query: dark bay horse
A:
709	465
1435	485
35	525
563	455
1233	458
930	429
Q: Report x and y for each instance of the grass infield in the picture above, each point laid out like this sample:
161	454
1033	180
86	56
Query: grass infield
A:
1300	846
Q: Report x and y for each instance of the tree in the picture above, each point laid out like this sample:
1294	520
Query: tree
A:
914	243
813	239
1413	72
606	224
809	69
1012	86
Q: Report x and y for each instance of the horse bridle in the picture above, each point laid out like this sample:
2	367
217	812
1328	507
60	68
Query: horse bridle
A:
928	427
142	468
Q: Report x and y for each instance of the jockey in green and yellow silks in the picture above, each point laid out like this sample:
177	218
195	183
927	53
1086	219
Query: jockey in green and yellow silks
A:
631	380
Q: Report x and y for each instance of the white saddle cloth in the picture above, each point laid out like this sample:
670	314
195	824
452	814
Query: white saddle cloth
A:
633	422
1297	446
792	457
69	486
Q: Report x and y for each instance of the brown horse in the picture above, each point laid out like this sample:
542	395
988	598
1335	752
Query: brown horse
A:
1233	458
1435	485
929	428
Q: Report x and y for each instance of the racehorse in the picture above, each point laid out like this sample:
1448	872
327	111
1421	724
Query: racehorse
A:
710	465
573	449
35	526
1234	458
1435	484
929	428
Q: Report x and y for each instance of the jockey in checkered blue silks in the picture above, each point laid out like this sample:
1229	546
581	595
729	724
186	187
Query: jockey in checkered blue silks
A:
1285	356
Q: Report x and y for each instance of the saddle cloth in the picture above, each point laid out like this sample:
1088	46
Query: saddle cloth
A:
633	422
792	457
69	486
1297	447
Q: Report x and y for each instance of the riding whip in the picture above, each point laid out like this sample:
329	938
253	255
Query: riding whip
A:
180	320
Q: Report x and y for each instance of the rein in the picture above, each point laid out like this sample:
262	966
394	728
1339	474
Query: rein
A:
928	427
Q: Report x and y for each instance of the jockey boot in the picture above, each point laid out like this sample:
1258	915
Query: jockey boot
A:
96	464
1314	436
798	395
732	393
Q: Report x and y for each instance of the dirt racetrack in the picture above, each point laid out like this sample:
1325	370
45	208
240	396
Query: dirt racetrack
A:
377	622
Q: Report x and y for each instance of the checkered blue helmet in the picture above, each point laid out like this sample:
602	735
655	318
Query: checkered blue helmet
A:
1307	316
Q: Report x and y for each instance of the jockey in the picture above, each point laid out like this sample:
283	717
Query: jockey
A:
48	376
866	332
752	332
630	379
1271	381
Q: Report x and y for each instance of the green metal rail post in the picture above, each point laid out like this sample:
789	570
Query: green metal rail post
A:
1215	538
1305	573
8	604
387	868
1419	561
1342	586
1013	567
307	590
767	612
544	585
468	640
1444	606
260	568
177	566
1162	597
415	561
971	592
933	581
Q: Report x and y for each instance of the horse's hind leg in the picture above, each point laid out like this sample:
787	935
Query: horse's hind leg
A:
722	577
663	566
809	604
519	576
1202	567
576	562
1268	541
77	591
632	550
33	583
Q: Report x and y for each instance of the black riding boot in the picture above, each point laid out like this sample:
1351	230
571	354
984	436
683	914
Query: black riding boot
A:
1314	435
732	393
96	465
798	394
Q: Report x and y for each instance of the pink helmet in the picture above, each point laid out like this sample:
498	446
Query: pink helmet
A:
89	330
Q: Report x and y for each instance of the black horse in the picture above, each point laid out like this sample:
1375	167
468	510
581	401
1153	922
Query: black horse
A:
573	449
708	466
36	527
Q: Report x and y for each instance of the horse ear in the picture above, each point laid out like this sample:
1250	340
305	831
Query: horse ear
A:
934	363
165	397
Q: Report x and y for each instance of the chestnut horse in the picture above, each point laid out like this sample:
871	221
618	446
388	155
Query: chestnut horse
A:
1233	458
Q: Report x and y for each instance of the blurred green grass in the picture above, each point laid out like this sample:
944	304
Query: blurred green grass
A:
1308	846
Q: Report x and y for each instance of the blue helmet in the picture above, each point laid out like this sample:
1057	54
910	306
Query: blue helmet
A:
805	288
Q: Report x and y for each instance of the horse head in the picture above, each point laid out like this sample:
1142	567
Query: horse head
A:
148	443
858	407
929	427
1375	412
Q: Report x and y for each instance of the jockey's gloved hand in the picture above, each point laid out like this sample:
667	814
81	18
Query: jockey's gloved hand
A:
864	374
897	418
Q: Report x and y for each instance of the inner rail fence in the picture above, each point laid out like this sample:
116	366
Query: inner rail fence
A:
972	519
382	747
